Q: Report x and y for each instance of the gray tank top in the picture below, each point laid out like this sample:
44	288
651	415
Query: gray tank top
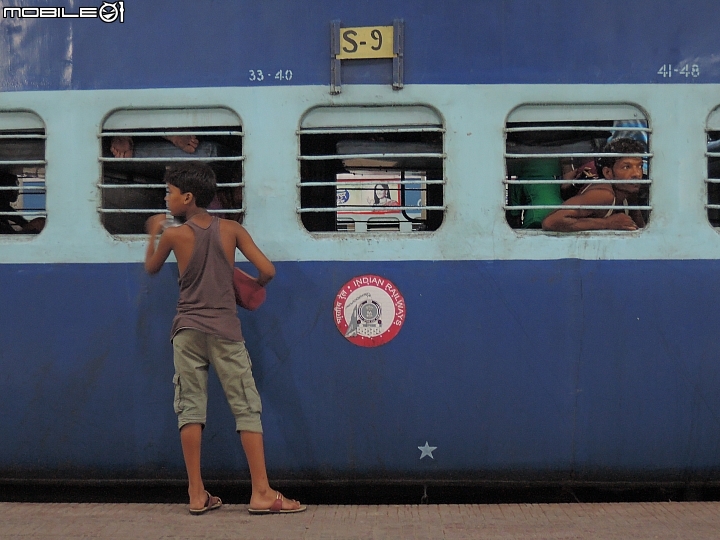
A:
207	298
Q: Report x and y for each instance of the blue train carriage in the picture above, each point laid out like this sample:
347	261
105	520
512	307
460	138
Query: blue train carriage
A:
422	326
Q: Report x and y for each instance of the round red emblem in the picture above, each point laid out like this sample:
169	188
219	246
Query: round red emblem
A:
369	310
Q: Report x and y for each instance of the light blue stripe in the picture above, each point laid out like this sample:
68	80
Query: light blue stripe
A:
474	227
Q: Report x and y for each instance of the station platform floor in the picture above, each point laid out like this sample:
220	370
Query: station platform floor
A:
596	521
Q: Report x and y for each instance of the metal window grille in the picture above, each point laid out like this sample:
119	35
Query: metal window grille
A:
548	161
712	155
370	178
22	174
132	188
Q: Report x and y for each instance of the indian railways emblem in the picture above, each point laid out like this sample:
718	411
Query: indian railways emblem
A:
369	310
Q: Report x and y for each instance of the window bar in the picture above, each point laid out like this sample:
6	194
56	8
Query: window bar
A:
22	136
240	210
371	156
190	157
571	155
577	128
24	162
369	182
365	130
26	212
377	209
25	188
572	181
168	133
575	207
156	186
164	210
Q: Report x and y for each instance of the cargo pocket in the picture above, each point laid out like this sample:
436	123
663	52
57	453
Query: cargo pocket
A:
252	397
178	394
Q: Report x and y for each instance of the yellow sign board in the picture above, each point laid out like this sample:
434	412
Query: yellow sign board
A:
366	42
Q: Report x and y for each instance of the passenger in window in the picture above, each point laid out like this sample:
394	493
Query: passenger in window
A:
123	147
606	194
14	223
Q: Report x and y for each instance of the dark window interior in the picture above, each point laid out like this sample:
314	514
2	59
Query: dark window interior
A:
22	182
133	188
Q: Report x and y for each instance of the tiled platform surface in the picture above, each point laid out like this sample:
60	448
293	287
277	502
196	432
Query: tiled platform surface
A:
676	520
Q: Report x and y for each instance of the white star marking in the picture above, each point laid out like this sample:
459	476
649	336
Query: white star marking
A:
427	450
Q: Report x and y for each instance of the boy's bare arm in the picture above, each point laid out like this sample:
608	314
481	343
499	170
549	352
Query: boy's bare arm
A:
574	221
578	219
155	256
247	247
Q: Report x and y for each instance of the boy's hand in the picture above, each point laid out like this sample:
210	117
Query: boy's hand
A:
155	256
154	224
621	222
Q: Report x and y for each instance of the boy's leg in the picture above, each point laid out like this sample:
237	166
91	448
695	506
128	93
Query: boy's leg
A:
234	369
262	495
191	372
191	438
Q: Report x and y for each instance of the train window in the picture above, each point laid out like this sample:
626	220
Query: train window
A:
137	147
713	168
559	152
365	169
22	173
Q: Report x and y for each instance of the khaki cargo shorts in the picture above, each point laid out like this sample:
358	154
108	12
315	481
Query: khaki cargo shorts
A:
194	352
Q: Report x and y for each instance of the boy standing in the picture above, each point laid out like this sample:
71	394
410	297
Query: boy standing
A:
206	329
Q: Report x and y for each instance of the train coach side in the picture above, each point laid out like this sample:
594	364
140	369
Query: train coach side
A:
517	353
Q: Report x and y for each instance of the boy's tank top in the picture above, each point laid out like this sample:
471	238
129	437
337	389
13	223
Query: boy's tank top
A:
207	298
611	211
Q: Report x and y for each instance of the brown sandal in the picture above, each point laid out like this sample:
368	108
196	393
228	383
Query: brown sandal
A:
212	503
277	508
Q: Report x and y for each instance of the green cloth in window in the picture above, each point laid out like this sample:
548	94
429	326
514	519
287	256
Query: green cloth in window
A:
535	194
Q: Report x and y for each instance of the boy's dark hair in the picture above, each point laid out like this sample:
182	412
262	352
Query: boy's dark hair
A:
618	146
194	177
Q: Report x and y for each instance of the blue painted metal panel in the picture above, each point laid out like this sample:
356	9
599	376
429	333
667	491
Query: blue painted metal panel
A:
648	372
191	43
505	366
